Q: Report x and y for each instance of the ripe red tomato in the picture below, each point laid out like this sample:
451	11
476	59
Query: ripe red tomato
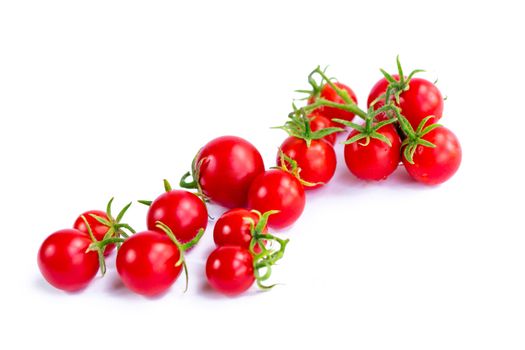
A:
64	262
99	230
229	165
182	211
234	228
319	122
146	263
276	189
317	162
433	166
421	100
375	160
230	270
328	93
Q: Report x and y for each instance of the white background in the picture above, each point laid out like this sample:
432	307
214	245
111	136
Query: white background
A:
107	98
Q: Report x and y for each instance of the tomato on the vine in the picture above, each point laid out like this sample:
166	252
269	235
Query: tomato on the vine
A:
320	122
279	190
64	261
328	93
234	227
435	165
182	211
422	99
99	229
224	169
373	159
317	160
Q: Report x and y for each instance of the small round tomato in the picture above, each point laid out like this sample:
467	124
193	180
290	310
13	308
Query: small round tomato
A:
319	122
317	161
228	165
374	160
64	262
234	228
421	100
182	211
436	165
279	190
328	93
146	263
99	230
230	270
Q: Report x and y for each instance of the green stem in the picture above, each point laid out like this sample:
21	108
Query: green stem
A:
188	185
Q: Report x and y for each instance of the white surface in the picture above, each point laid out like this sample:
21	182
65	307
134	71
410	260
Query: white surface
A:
107	98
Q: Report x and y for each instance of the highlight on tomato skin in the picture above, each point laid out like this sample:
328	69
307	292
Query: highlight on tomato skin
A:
64	262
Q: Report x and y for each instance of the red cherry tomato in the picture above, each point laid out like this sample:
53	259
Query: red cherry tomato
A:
317	162
433	166
229	165
230	270
319	122
277	190
234	228
146	263
375	160
99	230
421	100
182	211
63	260
328	93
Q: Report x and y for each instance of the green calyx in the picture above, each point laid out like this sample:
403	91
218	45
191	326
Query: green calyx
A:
316	87
396	87
116	234
298	125
168	188
290	166
415	137
182	247
194	176
266	258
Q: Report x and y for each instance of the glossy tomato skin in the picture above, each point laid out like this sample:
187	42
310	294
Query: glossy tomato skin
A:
229	270
234	228
63	260
328	93
99	230
422	99
277	190
377	160
182	211
317	162
319	122
146	263
433	166
229	165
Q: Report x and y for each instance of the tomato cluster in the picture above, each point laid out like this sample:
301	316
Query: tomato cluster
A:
398	127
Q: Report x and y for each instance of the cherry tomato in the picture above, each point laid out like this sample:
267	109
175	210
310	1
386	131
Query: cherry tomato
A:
276	189
146	263
375	160
234	228
182	211
433	166
317	162
99	230
229	165
230	270
64	262
421	100
319	122
328	93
